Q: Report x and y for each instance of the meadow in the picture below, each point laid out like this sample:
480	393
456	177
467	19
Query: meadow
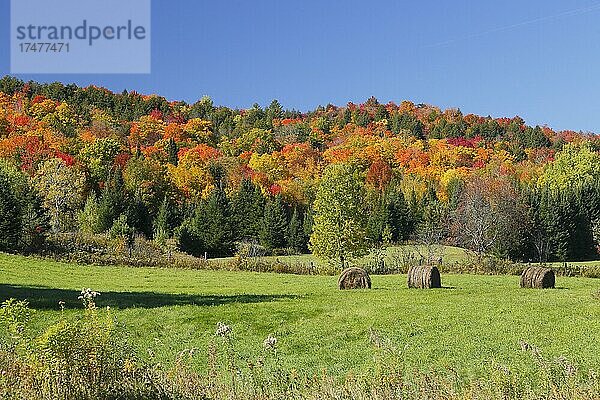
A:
474	323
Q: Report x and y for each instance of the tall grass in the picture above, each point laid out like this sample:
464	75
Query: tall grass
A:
89	357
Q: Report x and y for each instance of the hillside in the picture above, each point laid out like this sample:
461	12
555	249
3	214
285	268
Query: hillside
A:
214	181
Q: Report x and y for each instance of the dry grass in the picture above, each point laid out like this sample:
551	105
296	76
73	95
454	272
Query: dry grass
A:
537	278
354	278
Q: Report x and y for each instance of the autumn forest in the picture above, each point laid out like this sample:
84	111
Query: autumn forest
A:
212	181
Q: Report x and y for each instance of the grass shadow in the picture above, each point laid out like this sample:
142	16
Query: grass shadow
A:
40	297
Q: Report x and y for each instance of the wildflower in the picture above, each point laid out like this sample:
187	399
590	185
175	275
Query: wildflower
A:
570	369
88	294
525	346
128	366
223	330
270	343
61	304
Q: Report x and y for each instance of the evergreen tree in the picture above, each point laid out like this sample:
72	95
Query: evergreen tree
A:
172	150
274	227
215	224
162	228
122	230
10	215
297	239
89	217
377	219
209	230
405	122
399	218
23	220
307	223
138	216
247	207
112	202
563	224
34	221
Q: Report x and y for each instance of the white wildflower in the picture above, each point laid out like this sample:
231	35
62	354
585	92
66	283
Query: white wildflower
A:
223	330
88	294
270	343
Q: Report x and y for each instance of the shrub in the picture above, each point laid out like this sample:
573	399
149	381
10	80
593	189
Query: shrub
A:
82	358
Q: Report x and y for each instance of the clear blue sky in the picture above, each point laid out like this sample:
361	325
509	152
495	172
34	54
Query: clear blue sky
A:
537	59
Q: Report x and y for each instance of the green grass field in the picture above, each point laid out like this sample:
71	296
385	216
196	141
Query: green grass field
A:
472	322
392	256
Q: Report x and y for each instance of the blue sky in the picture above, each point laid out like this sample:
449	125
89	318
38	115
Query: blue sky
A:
536	59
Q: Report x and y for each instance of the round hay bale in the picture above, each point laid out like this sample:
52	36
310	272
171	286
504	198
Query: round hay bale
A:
538	278
424	277
354	278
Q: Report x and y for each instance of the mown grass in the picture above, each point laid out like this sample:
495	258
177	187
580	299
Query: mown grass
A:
473	322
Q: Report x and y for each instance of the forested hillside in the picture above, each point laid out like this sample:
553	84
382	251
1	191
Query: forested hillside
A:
213	180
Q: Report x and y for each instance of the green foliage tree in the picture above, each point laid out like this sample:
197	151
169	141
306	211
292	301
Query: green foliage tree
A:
339	229
62	189
400	221
377	216
162	228
99	157
575	165
29	214
139	216
565	223
404	122
122	231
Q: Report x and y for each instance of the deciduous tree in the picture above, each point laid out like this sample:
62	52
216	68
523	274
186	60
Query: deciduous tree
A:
339	229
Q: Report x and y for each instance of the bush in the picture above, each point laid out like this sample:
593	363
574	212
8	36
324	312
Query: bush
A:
83	358
103	250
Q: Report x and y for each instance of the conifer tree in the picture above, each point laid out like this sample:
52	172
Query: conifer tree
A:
172	151
297	239
89	217
162	229
247	207
399	220
274	227
112	202
209	230
10	215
